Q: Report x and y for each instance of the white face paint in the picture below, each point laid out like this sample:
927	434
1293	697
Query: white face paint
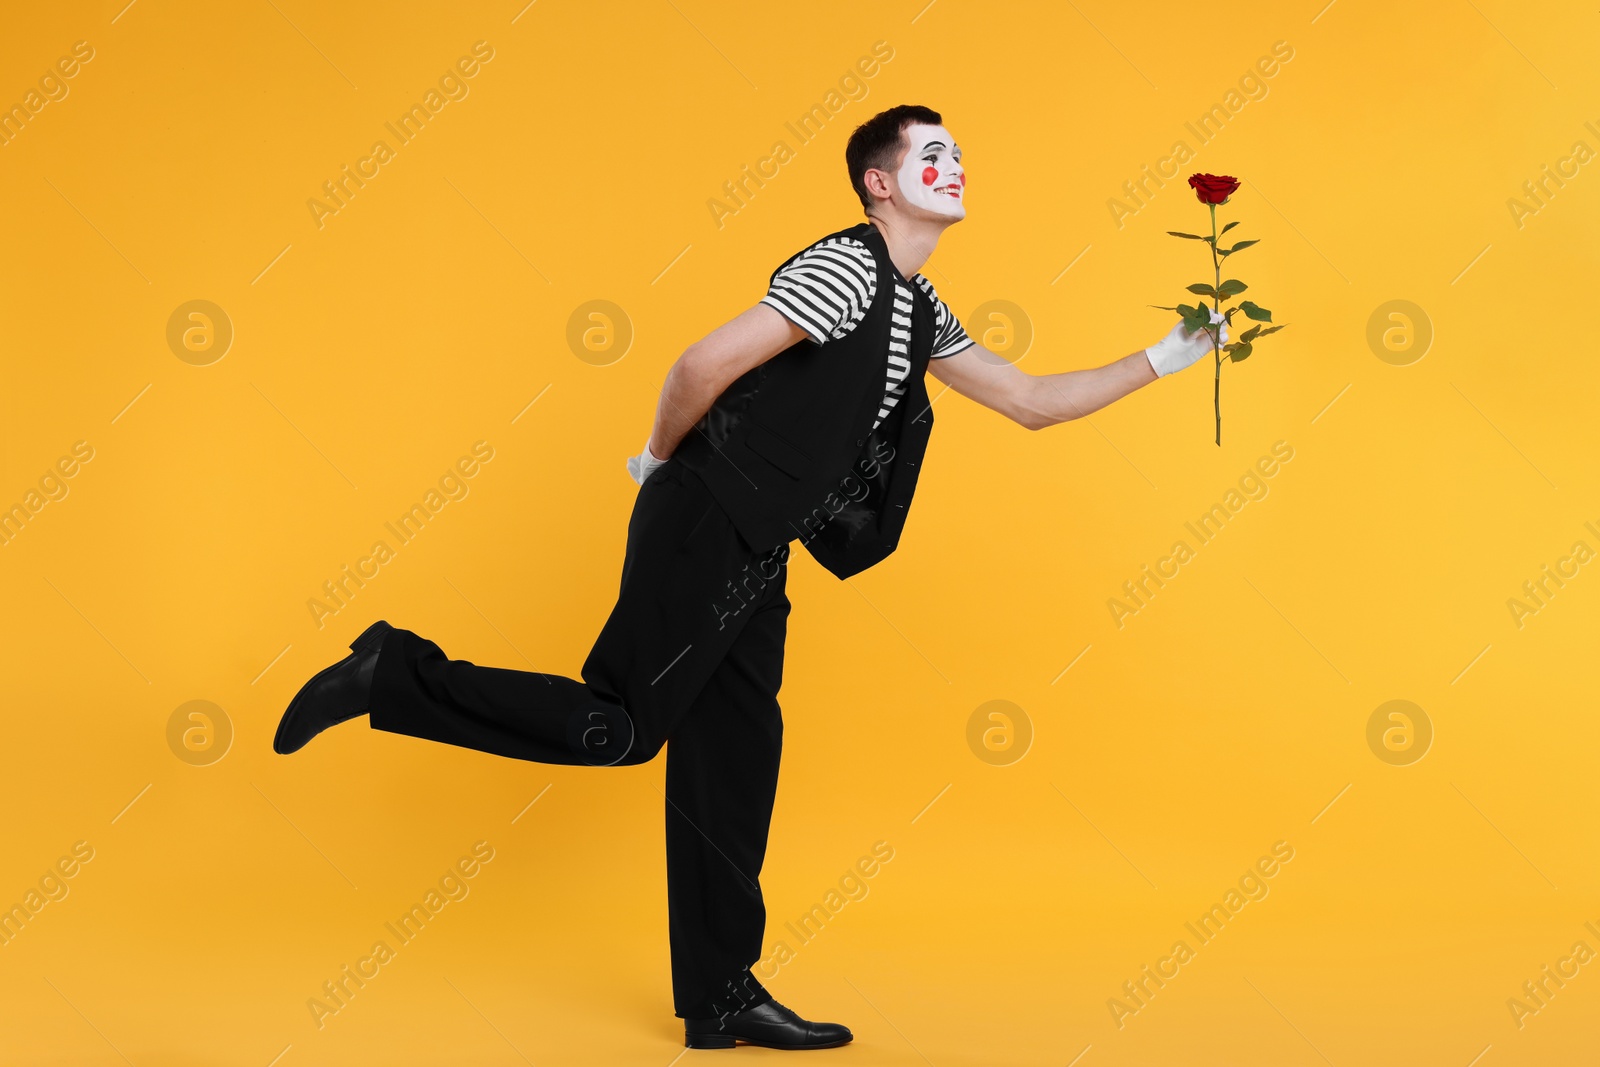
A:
931	177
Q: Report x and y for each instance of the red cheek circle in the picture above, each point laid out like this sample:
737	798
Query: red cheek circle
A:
930	175
963	181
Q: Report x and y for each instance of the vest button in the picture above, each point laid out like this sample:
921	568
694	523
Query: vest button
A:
860	441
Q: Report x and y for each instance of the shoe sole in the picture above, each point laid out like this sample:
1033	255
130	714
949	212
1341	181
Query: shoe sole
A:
369	638
724	1041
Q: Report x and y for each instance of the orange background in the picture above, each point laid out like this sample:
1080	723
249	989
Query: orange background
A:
1229	713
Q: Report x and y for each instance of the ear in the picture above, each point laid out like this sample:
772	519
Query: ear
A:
877	183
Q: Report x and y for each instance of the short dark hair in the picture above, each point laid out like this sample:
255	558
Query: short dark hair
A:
875	144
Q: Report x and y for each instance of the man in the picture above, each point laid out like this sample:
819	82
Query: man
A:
803	419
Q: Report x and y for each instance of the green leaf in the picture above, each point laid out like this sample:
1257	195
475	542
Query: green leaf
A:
1240	354
1250	334
1189	236
1240	247
1269	329
1229	226
1163	307
1232	287
1202	289
1186	310
1255	311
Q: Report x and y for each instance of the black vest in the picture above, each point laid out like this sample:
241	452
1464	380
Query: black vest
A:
789	452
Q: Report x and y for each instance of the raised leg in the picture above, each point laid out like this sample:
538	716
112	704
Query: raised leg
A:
665	637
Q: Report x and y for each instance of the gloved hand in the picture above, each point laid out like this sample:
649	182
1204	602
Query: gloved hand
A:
1180	348
642	465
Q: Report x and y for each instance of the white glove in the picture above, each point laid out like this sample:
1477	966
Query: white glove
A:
1179	348
642	465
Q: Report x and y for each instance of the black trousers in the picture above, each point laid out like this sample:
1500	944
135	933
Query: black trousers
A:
690	658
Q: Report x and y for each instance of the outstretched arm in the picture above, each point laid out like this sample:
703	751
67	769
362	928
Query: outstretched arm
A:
1040	400
705	369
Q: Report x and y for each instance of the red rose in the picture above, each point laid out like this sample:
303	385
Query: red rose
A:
1213	188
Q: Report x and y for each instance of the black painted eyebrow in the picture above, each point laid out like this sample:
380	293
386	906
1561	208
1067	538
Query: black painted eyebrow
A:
933	144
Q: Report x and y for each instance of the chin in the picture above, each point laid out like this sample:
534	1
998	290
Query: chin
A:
953	212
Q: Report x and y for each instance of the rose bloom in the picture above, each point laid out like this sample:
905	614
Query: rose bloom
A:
1213	188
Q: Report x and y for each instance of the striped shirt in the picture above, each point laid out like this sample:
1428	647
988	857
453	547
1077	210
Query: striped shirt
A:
826	291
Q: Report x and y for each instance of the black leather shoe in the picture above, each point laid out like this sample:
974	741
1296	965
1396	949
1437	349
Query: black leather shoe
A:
770	1025
334	694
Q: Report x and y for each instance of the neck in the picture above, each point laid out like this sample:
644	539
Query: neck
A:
910	241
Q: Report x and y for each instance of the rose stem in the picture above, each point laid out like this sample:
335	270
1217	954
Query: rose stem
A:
1216	347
